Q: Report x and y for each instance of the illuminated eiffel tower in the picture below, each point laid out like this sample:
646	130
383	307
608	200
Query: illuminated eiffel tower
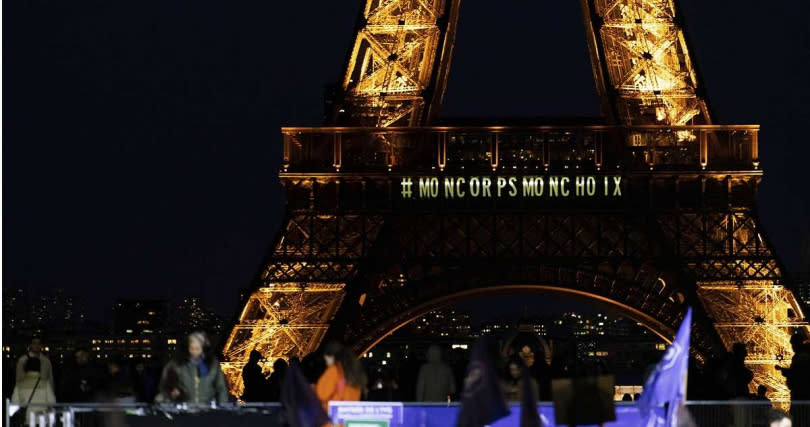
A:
390	216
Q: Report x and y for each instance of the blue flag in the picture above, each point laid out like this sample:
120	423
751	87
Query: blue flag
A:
302	408
667	384
482	400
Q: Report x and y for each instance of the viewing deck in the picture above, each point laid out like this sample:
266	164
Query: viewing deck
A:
521	149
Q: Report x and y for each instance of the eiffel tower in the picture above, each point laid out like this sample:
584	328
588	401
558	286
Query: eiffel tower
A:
392	213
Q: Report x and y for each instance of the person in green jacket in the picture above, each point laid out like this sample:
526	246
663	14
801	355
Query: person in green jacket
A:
195	376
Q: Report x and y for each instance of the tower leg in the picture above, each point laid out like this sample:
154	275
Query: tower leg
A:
281	320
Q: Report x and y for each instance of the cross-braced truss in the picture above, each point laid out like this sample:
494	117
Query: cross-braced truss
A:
739	284
399	62
280	320
392	62
761	314
640	54
301	289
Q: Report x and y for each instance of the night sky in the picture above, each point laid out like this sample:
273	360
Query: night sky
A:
142	144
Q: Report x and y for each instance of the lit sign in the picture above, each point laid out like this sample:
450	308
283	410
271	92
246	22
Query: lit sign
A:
367	414
554	186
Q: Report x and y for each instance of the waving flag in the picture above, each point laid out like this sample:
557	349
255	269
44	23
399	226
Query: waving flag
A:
482	400
667	384
302	407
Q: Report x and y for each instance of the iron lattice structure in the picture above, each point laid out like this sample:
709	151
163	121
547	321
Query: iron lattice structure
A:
641	62
399	49
358	257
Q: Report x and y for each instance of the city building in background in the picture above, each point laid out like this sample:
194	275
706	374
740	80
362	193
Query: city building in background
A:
442	323
141	329
51	310
621	345
192	315
138	317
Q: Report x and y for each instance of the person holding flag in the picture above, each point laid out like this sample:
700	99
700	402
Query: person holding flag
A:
667	383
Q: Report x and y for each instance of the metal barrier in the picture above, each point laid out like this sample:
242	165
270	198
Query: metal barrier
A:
704	413
743	412
120	414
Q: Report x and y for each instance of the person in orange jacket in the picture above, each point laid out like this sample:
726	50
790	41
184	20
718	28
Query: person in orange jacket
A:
344	378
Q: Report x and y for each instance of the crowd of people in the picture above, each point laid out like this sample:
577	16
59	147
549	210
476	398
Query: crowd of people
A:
336	373
343	378
191	376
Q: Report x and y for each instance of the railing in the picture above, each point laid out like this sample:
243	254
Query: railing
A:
529	149
703	413
120	414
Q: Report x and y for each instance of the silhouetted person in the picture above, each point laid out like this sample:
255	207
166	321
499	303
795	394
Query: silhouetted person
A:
761	391
144	382
312	366
80	382
435	382
627	398
762	409
799	371
408	374
459	359
253	378
739	375
116	387
513	387
797	375
541	371
117	383
564	360
276	380
698	387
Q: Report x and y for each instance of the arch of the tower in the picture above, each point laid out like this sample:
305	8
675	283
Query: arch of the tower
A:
399	291
399	320
357	277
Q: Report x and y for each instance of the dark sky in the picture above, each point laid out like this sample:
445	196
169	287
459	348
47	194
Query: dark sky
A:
141	138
